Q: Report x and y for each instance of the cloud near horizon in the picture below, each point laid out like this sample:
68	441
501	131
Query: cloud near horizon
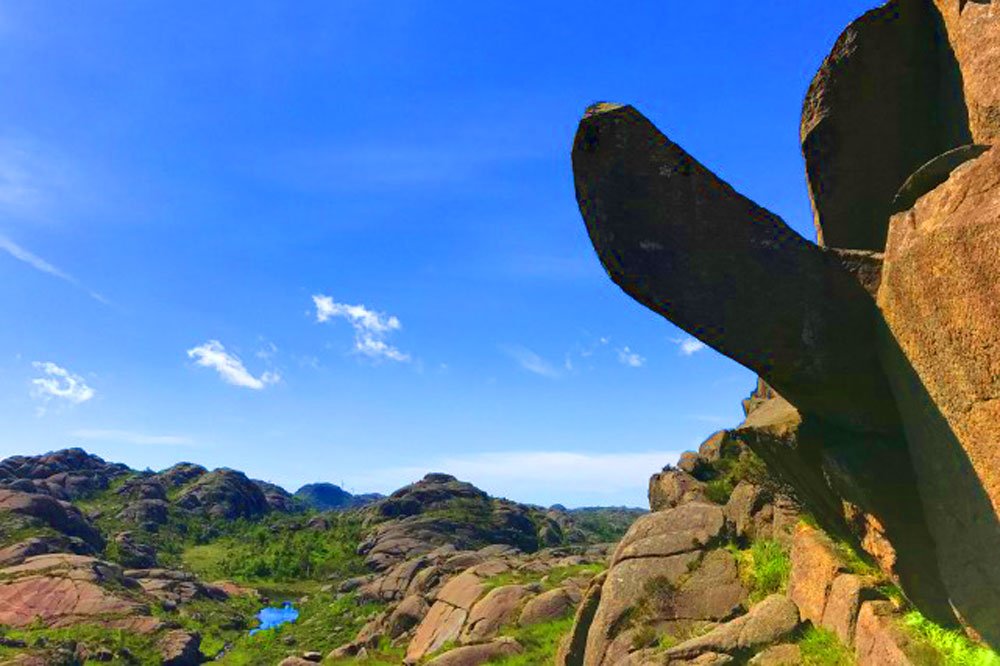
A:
213	354
371	328
61	384
542	477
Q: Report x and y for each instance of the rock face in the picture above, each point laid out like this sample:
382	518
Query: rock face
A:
884	339
65	475
326	496
226	494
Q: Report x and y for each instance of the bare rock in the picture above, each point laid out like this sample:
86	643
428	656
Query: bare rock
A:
474	655
815	565
673	487
785	654
498	608
180	648
767	622
547	606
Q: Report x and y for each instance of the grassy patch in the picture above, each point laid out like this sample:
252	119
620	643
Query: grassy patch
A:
551	580
540	643
126	647
764	568
821	647
325	622
954	647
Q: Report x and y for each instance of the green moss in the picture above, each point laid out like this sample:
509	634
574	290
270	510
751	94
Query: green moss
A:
954	647
821	647
719	490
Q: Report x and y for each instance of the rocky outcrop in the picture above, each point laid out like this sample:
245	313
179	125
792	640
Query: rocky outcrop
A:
225	494
884	338
44	510
66	475
328	497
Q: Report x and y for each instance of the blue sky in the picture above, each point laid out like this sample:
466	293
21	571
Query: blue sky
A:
338	240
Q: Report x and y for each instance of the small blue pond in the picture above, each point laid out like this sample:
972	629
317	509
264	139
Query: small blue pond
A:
274	616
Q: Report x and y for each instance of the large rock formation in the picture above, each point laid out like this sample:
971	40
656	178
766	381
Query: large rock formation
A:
883	337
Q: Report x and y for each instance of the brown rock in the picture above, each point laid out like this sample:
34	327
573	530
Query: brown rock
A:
680	241
179	648
682	529
879	641
672	487
885	101
767	622
443	623
815	565
547	606
786	654
572	649
941	300
474	655
842	606
462	591
499	607
406	615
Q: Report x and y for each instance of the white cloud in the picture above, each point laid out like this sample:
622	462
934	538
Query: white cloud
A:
60	383
544	477
131	437
628	357
370	328
36	262
689	346
531	361
229	366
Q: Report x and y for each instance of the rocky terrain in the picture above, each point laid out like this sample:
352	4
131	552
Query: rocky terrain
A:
881	338
99	562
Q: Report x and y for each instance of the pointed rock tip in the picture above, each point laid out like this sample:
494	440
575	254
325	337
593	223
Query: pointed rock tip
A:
602	107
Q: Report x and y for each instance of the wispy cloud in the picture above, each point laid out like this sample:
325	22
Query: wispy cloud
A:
540	476
530	361
213	354
371	328
132	437
36	262
628	357
688	346
58	383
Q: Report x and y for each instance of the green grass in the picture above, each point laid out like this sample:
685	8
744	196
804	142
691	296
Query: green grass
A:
117	641
325	622
821	647
540	643
764	568
954	647
551	580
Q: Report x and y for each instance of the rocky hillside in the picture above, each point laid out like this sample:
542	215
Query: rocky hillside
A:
181	561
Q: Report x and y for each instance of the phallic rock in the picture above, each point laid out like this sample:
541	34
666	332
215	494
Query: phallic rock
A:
474	655
573	648
685	244
180	648
767	622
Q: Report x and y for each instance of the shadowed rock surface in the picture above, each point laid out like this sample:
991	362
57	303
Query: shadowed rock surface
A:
885	345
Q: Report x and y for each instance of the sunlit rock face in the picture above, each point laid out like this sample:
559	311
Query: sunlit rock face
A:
883	336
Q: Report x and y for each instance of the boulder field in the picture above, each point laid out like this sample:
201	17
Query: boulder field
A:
880	341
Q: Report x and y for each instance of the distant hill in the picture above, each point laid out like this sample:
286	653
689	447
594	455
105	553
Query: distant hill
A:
331	497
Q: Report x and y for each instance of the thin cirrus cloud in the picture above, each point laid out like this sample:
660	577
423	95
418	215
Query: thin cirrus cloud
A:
58	383
213	355
531	362
689	346
371	328
132	437
39	264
